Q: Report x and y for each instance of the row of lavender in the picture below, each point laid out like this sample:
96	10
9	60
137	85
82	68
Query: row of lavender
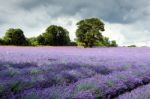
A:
142	92
99	86
71	72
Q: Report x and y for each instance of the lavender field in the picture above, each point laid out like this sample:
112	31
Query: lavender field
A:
74	73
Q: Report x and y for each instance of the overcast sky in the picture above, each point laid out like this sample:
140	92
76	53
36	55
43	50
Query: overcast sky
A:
126	21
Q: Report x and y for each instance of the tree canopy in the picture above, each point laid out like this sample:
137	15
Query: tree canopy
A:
88	34
89	31
32	41
15	37
54	35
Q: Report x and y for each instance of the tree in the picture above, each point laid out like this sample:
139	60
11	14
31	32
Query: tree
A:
1	41
89	32
132	46
40	40
54	35
32	41
113	43
106	41
15	37
73	44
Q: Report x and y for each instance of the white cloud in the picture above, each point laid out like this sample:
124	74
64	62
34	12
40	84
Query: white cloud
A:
114	32
127	34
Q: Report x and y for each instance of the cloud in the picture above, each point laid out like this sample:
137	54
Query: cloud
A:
125	21
109	10
128	34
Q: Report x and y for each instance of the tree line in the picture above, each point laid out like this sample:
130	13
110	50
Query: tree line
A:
88	34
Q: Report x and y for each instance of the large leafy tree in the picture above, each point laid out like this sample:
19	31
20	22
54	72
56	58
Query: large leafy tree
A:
15	37
89	32
54	35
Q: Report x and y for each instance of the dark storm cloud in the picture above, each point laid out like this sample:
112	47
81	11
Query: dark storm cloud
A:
117	11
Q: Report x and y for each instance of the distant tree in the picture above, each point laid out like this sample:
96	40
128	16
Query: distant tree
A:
132	46
113	43
15	37
54	35
89	32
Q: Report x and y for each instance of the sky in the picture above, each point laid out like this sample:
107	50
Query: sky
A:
126	21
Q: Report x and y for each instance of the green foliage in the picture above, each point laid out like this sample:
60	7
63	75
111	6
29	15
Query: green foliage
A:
86	86
1	88
132	46
107	42
110	83
89	32
31	96
15	37
16	86
90	86
35	71
32	41
2	42
113	43
73	44
54	35
40	40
